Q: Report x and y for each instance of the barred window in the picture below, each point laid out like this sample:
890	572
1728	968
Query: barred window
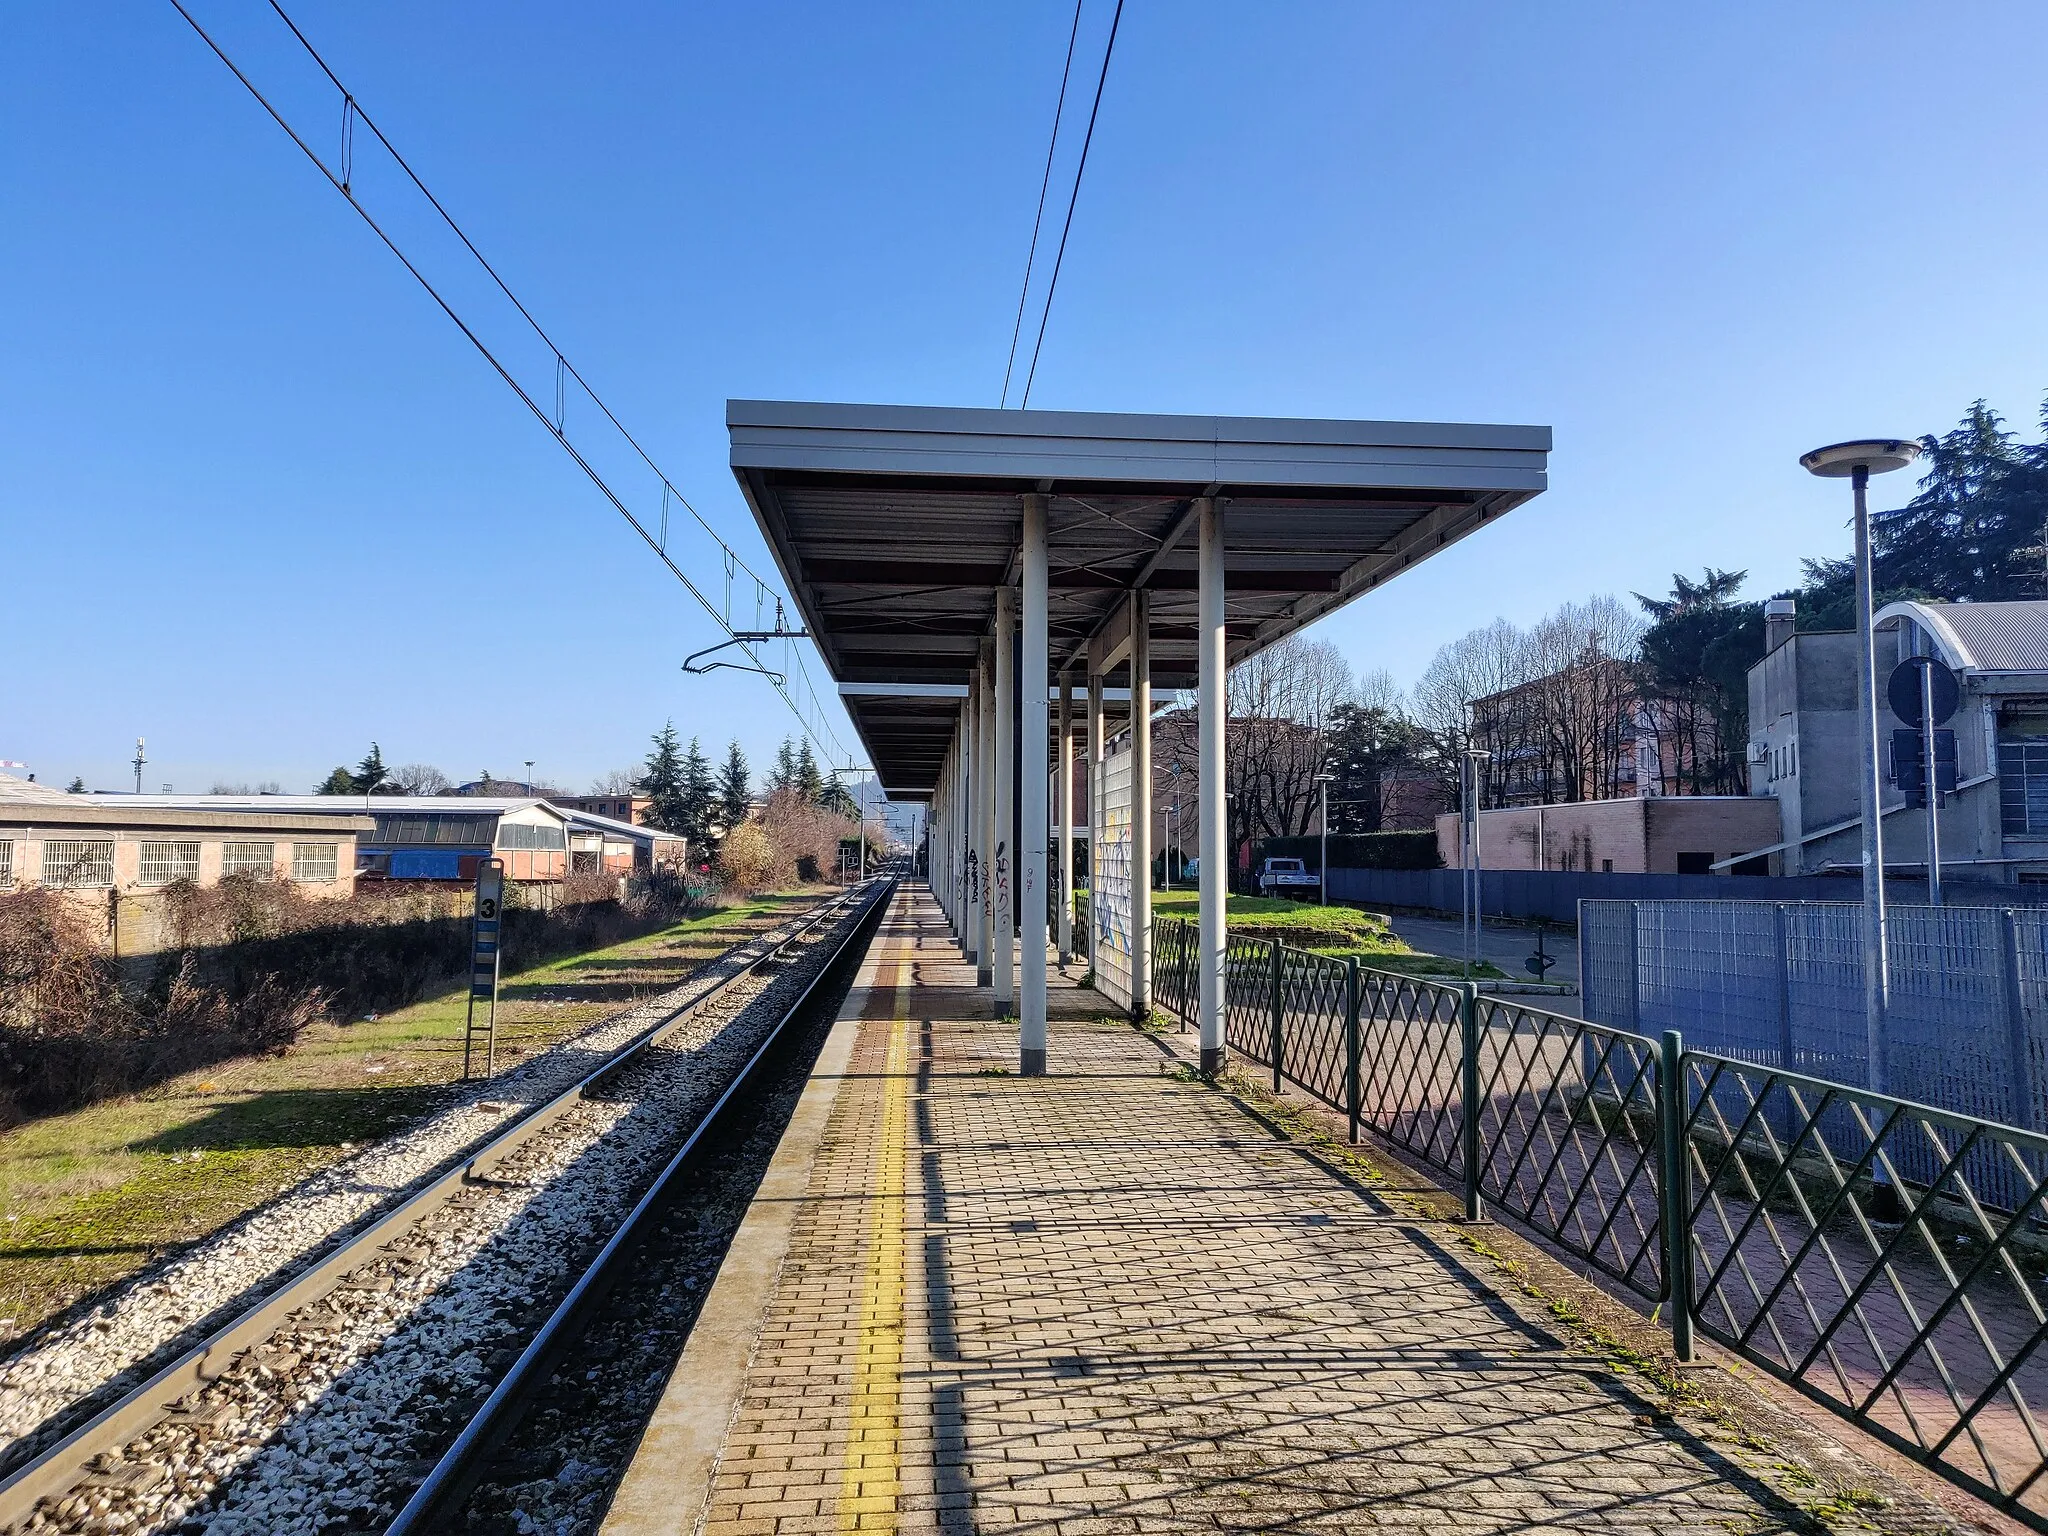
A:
248	859
6	864
314	861
514	835
2023	787
164	862
78	862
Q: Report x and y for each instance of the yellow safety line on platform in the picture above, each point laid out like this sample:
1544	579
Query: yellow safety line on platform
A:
874	1452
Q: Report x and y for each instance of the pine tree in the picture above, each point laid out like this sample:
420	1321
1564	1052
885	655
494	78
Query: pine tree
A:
371	773
662	781
339	782
784	776
699	794
808	781
1976	530
75	787
734	793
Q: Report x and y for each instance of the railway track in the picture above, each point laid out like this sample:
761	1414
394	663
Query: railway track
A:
386	1370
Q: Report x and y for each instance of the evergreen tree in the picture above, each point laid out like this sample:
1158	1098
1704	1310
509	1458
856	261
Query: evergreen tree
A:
1693	671
1365	741
784	776
699	794
662	781
371	773
1973	532
339	782
734	793
808	781
835	798
75	787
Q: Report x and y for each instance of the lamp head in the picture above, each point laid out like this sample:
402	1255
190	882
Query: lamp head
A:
1874	456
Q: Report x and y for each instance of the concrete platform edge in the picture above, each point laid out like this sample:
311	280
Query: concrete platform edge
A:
667	1485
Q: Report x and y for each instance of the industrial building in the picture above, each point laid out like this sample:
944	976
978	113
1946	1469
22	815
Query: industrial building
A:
1804	751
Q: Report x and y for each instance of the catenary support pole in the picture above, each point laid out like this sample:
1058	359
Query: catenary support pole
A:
1141	806
1214	844
1033	832
1003	866
985	819
1065	888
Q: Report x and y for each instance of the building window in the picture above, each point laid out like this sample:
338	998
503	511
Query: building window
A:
6	865
259	859
1696	863
314	861
2023	788
78	863
164	862
517	835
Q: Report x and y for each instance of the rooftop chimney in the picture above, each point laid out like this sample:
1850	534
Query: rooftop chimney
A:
1779	622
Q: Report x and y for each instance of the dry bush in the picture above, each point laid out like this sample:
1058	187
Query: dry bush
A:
805	836
69	1035
747	857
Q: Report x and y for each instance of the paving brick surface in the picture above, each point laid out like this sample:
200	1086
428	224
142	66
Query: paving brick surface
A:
1108	1301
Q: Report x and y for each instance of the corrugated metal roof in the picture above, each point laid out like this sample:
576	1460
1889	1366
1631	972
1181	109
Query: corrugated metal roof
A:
1983	637
336	805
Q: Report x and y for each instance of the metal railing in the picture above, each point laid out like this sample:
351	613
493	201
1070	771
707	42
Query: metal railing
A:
1886	1258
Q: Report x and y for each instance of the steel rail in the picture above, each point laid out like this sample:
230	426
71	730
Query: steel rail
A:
434	1503
64	1465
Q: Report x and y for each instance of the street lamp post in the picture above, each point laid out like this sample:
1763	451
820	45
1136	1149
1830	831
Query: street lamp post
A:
1323	858
529	777
1856	462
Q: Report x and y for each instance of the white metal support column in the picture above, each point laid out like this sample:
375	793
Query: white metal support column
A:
1032	831
1065	889
963	822
984	817
1215	852
1096	735
1141	805
1004	867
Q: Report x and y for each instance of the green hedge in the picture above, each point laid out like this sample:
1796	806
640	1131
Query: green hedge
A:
1358	850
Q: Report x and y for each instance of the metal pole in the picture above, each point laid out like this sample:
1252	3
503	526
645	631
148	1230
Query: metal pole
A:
1675	1185
1214	848
1468	1094
1141	805
1031	1002
1066	887
985	822
1933	778
1323	873
1876	967
1002	866
1352	1050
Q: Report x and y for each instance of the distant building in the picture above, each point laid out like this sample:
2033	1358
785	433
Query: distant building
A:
413	837
1633	835
631	809
1805	749
115	854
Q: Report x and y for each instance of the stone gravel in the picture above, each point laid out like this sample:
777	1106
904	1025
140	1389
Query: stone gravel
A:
328	1426
62	1376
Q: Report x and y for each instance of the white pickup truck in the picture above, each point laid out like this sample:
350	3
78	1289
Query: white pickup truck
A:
1287	877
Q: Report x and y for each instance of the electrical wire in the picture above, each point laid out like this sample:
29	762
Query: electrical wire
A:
1059	111
555	428
1074	197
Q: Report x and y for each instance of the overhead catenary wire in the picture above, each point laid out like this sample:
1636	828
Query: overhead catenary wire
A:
1080	170
1045	182
555	425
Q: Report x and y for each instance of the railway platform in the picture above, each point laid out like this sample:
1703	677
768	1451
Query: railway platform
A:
1115	1299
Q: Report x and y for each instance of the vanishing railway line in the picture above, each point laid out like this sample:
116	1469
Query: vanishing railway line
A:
392	1368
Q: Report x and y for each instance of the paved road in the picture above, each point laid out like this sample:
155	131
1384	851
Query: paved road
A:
1507	945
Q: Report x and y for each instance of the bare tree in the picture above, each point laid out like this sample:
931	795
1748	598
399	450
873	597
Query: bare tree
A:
419	779
1279	707
620	781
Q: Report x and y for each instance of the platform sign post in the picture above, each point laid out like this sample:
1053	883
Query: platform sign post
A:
486	923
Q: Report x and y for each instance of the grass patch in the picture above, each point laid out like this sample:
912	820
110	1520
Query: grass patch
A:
90	1196
1337	931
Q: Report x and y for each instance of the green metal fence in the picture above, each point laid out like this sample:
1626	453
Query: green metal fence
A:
1885	1258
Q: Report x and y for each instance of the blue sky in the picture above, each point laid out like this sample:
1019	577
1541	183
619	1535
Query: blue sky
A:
261	503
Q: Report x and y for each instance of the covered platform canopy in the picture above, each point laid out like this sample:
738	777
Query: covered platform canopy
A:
895	526
951	565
